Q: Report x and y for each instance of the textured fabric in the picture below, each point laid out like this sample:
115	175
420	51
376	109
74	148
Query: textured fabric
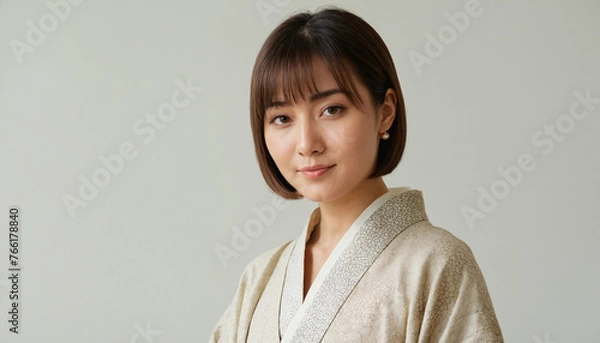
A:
400	279
387	217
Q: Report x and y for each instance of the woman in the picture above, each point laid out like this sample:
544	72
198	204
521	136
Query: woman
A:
328	122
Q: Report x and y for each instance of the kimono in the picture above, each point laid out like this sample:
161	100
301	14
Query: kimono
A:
393	277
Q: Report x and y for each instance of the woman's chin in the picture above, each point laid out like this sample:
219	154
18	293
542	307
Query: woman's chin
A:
317	194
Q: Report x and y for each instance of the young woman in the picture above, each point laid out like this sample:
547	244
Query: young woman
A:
328	122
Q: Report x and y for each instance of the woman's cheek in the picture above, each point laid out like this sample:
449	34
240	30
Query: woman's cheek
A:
342	138
280	149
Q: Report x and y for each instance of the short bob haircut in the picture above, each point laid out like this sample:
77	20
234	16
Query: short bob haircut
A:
348	46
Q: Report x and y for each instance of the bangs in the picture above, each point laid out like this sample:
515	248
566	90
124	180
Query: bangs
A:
352	52
287	74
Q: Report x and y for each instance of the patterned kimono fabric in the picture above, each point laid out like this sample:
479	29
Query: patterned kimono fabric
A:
393	277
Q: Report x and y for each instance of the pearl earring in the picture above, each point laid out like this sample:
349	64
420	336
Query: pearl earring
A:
385	136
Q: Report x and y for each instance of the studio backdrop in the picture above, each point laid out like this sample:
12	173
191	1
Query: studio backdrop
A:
131	196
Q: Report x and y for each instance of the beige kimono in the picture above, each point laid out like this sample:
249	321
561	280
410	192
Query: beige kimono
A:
393	277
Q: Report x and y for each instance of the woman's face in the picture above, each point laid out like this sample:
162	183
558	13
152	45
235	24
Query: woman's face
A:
326	132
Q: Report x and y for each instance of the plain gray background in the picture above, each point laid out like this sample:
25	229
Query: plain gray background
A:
139	262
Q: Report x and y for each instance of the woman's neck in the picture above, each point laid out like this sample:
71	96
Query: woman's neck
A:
338	215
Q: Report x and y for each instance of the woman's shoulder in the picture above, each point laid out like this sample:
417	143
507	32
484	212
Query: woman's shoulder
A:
433	245
444	277
267	262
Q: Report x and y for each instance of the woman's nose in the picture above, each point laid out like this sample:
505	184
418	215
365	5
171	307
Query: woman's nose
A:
309	139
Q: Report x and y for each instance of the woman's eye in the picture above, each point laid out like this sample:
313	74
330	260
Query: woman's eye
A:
333	110
280	120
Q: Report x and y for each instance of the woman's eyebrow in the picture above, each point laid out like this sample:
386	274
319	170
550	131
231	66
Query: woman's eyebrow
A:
325	94
313	98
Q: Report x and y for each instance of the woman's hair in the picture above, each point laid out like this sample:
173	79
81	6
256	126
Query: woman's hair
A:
348	46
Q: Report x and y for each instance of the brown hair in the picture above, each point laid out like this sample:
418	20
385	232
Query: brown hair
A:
348	46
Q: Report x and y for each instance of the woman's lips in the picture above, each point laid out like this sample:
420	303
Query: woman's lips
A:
316	171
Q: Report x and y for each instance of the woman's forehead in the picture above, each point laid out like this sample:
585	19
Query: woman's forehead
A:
315	80
303	92
304	79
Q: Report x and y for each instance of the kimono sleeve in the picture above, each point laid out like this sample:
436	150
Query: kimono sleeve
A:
235	321
228	325
458	306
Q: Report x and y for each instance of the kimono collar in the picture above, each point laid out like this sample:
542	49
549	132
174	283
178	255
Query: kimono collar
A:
315	216
371	232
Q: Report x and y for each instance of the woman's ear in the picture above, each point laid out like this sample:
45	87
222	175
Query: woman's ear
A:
388	110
